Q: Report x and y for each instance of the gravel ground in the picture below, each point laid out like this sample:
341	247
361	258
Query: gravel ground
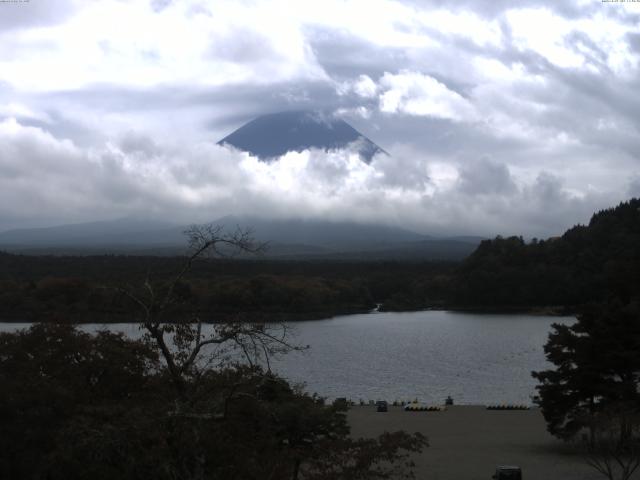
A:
467	442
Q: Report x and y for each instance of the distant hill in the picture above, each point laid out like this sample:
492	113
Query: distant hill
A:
587	263
325	234
123	231
273	135
285	238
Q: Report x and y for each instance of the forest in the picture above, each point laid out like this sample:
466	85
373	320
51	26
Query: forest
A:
85	289
587	263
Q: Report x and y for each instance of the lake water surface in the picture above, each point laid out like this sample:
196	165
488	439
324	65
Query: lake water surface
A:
475	358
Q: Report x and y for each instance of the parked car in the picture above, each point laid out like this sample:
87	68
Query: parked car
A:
341	402
382	406
507	472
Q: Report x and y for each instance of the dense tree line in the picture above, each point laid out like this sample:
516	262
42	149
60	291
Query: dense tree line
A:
83	288
77	299
587	263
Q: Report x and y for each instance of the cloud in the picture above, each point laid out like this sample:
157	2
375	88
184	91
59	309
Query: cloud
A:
20	15
498	117
209	44
495	8
44	177
634	187
418	94
363	86
20	111
485	176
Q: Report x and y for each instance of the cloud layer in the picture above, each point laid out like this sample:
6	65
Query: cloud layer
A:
58	181
498	119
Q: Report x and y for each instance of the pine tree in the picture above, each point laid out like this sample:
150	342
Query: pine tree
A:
597	364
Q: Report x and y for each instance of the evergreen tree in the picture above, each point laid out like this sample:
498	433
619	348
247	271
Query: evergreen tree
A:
597	362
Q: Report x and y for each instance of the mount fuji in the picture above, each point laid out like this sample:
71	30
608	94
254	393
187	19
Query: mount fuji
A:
270	136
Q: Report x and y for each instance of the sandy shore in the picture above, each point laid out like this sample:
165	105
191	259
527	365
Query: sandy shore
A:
467	442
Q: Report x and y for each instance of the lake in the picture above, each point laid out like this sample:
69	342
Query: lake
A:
475	358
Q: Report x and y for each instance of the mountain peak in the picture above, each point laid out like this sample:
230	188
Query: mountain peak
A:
273	135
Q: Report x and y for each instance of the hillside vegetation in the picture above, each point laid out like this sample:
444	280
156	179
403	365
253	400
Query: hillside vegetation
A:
588	263
85	288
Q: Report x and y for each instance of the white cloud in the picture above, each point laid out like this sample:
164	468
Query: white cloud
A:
554	37
544	32
365	87
141	88
463	24
19	110
362	112
46	177
415	93
188	42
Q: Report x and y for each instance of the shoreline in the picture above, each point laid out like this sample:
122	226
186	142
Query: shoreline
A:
545	311
281	317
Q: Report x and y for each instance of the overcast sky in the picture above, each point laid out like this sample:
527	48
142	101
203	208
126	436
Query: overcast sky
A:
498	120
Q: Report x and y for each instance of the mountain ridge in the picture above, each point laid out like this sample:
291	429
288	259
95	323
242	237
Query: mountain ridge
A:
273	135
286	238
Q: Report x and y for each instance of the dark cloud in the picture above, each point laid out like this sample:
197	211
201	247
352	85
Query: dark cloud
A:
241	46
434	137
634	187
135	143
485	176
494	8
160	5
19	15
634	41
228	106
582	44
344	55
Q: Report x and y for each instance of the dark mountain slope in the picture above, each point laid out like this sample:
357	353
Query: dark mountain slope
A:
321	233
132	231
289	238
273	135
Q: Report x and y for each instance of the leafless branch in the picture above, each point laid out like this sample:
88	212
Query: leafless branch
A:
181	341
614	450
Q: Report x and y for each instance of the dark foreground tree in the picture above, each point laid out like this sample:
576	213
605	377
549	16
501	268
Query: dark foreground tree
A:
187	402
615	449
597	366
54	377
179	337
80	406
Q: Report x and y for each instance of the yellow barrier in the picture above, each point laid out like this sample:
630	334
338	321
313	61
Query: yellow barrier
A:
423	408
508	407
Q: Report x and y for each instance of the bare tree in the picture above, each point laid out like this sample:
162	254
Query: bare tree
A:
613	449
181	339
211	423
